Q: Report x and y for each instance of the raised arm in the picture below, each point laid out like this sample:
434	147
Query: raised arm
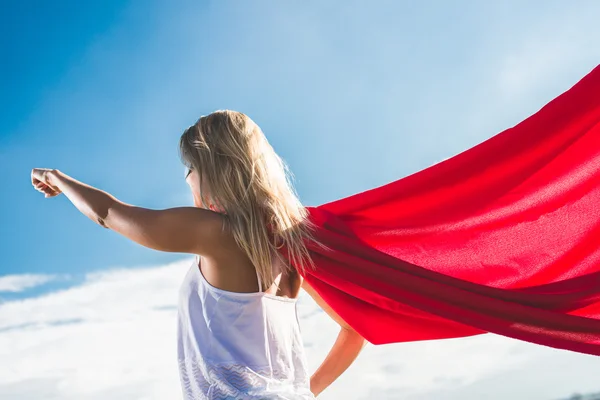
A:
181	229
343	353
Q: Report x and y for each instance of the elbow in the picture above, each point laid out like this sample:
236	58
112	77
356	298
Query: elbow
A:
101	222
350	332
102	214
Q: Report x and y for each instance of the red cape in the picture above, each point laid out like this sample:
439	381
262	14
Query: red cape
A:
503	238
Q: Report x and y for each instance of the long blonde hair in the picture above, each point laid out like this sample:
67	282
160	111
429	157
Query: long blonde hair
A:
252	184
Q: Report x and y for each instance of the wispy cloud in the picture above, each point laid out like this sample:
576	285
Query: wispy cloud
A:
529	66
20	282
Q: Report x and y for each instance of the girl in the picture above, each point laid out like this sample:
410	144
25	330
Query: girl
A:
238	329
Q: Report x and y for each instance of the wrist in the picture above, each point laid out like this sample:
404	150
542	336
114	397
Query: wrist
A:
53	177
315	387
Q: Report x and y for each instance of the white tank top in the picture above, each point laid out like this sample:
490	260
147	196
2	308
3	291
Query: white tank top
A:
238	345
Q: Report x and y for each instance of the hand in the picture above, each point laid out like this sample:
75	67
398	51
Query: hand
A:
40	181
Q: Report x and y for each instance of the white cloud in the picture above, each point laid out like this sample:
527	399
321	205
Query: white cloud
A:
19	282
113	336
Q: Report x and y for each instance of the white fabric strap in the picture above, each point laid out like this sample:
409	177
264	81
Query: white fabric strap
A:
257	277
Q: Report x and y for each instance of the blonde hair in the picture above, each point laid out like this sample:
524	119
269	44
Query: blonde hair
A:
252	184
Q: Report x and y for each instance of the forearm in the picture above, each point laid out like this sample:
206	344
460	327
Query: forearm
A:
93	203
343	353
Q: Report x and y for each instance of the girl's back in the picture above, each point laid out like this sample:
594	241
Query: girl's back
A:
239	345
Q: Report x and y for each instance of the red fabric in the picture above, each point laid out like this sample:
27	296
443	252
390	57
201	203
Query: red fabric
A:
503	237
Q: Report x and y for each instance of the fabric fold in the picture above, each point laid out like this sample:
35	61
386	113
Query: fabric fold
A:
503	238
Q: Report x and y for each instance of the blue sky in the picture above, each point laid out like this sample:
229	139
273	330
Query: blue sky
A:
351	94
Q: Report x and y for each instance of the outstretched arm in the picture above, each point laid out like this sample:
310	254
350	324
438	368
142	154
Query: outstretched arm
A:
181	229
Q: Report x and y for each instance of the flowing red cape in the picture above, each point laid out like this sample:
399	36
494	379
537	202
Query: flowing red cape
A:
503	238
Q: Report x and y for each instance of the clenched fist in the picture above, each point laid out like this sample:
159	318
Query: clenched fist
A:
40	181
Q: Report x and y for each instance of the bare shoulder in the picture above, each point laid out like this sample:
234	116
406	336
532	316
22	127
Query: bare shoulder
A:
181	229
